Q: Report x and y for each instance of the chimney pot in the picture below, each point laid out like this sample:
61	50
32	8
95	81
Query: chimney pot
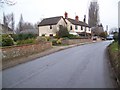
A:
84	20
76	18
66	15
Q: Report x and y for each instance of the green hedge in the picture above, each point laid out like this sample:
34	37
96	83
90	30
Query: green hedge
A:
71	36
18	37
28	41
115	37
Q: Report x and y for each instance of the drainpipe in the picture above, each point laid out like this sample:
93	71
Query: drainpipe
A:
84	20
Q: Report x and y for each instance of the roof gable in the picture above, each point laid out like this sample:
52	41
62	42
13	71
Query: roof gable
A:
50	21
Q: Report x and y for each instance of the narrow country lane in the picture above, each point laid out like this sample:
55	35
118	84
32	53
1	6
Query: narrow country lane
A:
84	66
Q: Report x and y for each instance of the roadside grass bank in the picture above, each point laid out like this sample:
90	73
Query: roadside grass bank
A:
114	55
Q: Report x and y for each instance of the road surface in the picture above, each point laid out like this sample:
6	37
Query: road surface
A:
84	66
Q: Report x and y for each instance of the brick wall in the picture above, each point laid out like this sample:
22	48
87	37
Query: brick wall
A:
75	41
24	50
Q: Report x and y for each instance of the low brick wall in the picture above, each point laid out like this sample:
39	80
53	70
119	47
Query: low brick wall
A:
75	41
24	50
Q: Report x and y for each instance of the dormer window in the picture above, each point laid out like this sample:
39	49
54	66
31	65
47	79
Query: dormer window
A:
50	26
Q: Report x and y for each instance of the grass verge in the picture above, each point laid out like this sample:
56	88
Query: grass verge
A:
114	54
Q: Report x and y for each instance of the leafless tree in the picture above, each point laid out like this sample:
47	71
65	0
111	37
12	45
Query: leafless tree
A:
20	25
113	30
36	25
8	2
12	21
8	20
93	15
28	25
5	20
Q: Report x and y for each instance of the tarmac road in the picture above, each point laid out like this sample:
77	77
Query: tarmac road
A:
85	66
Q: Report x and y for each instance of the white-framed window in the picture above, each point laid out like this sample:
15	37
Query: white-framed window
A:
81	27
50	34
76	27
71	27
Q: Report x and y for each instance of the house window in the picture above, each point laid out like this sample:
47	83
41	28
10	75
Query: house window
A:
51	35
70	27
89	29
81	27
76	27
50	26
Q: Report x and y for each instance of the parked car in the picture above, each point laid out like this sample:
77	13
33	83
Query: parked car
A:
109	38
103	39
94	38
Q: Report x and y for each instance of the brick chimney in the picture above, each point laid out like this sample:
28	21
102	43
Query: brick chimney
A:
76	18
66	15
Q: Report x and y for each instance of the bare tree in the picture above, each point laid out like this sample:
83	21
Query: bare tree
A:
8	20
28	25
21	22
93	16
8	2
36	25
12	21
113	30
5	20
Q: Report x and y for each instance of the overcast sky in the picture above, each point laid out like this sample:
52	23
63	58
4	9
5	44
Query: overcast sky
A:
34	10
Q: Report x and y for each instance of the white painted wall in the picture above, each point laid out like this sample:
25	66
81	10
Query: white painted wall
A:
61	22
47	31
73	27
88	30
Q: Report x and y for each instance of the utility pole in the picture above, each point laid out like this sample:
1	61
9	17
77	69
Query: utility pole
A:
119	23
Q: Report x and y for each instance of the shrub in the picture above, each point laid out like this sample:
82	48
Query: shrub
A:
0	40
103	34
43	34
18	37
7	40
63	32
28	41
71	36
54	42
47	38
115	37
41	39
57	41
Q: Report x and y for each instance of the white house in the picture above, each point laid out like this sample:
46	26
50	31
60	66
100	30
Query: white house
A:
49	26
77	27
